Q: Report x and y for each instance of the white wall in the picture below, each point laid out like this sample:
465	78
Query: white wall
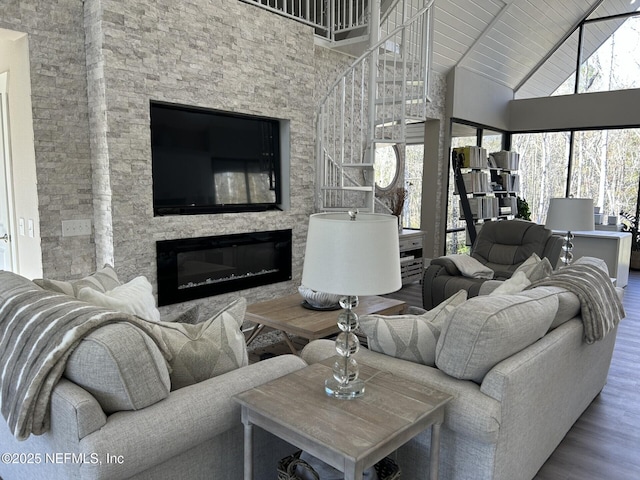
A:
477	99
14	59
587	110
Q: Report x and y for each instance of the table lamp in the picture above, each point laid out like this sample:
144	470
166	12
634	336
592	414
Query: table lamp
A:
570	214
351	254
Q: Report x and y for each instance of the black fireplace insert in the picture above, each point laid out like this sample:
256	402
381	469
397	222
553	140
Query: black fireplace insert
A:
201	267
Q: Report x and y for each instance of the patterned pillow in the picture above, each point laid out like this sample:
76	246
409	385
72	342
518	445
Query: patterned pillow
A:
102	280
134	297
410	337
206	349
190	315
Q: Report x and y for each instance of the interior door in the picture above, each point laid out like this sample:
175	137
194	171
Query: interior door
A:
7	249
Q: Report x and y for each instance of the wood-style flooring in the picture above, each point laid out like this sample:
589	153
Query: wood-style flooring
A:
604	444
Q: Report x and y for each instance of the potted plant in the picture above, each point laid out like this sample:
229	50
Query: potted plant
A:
523	209
395	198
630	224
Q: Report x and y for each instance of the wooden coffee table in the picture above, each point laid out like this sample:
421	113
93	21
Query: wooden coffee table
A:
350	435
289	316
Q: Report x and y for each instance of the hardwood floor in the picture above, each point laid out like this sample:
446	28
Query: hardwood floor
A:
605	441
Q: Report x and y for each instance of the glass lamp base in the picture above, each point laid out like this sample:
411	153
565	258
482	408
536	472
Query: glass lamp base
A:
345	391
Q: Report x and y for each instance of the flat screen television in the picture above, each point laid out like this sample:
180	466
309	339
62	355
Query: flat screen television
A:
208	161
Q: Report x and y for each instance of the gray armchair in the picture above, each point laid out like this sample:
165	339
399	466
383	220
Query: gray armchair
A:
502	246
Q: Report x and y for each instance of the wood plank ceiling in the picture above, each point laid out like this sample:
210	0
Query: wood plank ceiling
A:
513	41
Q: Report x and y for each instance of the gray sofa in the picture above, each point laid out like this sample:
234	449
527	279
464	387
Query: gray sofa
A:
505	420
192	432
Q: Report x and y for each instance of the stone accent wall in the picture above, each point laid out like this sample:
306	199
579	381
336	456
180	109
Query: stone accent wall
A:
61	131
224	55
96	65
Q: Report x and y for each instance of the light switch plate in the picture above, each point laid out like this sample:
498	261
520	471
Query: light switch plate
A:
74	228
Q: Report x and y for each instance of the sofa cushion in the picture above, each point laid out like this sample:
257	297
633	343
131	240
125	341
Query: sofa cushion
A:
121	367
207	349
410	337
485	330
134	297
568	303
102	280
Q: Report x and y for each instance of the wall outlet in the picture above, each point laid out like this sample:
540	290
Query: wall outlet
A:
74	228
21	226
30	227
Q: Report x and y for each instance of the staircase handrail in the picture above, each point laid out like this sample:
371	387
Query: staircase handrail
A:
372	48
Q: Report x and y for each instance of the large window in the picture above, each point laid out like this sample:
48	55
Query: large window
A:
602	164
414	165
604	46
544	159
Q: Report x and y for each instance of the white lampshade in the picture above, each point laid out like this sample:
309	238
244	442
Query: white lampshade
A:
570	214
352	257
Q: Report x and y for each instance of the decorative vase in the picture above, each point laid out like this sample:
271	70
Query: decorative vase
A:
399	223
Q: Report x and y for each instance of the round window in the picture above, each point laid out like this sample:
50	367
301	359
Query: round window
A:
386	166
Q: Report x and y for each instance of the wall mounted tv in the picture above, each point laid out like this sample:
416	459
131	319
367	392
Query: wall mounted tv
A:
208	161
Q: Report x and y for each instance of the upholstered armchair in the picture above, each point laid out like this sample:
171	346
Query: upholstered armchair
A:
501	246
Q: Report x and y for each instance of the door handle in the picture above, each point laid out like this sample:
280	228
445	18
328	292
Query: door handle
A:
6	238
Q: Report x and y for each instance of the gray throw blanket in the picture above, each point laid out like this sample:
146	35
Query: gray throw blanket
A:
601	309
38	332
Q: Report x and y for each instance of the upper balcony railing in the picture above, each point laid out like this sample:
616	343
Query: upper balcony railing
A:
329	18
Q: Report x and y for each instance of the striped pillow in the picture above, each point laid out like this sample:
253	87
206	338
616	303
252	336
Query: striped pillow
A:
103	280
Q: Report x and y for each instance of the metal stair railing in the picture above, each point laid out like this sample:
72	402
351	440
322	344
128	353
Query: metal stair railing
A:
328	17
353	117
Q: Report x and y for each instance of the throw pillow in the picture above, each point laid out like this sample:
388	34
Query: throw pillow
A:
517	283
483	331
207	349
102	280
528	264
410	337
121	367
535	268
135	297
190	315
542	270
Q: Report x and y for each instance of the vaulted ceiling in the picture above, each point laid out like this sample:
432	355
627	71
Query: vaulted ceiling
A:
513	41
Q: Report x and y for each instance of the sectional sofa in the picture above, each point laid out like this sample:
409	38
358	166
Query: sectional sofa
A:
133	400
519	368
116	413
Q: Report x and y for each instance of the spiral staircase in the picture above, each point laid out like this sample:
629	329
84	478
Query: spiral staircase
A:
371	103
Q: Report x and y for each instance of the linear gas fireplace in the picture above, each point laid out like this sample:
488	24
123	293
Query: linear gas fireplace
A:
202	267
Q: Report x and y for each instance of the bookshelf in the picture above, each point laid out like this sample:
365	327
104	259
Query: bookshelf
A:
487	184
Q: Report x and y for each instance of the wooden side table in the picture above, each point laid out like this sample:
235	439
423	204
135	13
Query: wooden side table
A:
349	435
289	316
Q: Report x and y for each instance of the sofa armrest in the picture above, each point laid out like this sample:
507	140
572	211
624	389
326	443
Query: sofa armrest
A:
447	264
543	390
186	418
